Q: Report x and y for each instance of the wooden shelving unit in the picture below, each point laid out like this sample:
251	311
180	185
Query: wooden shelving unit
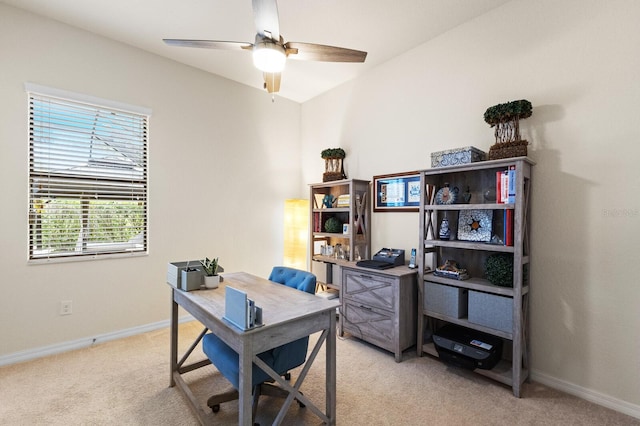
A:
356	214
477	179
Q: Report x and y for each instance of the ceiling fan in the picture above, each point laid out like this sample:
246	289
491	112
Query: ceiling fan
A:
270	51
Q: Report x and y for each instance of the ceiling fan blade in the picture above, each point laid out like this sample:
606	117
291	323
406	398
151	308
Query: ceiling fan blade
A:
272	81
265	14
209	44
321	52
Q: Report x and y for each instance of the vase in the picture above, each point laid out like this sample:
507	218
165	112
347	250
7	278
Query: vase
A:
445	232
211	281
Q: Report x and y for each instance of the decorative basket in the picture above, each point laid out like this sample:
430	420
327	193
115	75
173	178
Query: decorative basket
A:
331	176
508	149
333	169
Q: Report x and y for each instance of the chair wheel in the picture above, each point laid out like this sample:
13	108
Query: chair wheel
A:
215	408
287	376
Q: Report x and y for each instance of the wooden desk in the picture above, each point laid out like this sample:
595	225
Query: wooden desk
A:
288	314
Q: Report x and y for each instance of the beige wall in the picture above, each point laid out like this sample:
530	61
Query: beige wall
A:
223	158
577	62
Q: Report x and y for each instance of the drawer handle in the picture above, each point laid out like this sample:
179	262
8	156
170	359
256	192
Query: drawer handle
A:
366	307
365	276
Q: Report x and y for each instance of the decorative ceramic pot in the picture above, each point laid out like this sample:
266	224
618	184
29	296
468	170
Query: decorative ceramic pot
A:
211	281
445	232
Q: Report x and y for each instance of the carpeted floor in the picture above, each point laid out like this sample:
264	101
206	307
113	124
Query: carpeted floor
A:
125	382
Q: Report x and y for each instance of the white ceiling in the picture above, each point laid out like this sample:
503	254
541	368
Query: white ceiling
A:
383	28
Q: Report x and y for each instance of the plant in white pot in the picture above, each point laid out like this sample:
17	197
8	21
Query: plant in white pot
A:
211	277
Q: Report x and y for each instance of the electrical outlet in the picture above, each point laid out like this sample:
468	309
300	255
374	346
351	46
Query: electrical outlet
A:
65	307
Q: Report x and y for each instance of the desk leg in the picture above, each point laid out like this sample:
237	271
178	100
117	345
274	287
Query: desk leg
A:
329	275
331	369
173	361
245	358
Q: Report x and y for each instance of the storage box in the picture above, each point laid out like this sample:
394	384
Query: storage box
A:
491	310
174	272
457	156
445	299
192	279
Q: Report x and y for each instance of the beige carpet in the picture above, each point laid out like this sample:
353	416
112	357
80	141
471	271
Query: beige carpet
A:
125	382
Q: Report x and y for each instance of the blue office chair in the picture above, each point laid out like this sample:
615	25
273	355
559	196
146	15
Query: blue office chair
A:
295	278
280	359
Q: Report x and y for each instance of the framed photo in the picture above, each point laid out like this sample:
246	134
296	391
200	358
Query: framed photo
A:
399	192
475	225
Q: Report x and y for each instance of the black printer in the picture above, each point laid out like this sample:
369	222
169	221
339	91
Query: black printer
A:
467	348
384	259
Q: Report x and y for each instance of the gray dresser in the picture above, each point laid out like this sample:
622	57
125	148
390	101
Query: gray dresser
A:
380	306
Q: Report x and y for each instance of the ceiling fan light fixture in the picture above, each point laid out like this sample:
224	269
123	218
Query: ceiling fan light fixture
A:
269	56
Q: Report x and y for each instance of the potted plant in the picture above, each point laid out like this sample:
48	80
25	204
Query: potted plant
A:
499	269
506	119
211	277
333	167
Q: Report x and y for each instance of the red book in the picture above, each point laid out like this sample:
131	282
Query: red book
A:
498	187
509	227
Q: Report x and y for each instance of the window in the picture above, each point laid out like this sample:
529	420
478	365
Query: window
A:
87	176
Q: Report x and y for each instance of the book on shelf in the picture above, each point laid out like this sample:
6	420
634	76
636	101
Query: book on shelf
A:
499	187
506	186
344	200
507	223
317	226
511	184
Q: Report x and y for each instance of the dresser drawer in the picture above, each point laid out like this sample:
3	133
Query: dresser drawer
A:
369	289
367	323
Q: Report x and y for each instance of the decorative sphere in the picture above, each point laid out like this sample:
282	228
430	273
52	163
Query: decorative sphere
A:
333	225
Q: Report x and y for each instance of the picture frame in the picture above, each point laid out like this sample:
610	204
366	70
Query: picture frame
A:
397	192
475	225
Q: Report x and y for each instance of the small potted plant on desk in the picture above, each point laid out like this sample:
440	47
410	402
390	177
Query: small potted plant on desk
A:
211	277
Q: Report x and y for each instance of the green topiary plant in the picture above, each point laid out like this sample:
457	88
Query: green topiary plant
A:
333	167
510	111
499	269
506	119
333	153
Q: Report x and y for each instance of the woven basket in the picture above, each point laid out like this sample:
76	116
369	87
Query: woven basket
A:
508	149
331	176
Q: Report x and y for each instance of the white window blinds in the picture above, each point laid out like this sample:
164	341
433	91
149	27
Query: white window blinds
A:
87	179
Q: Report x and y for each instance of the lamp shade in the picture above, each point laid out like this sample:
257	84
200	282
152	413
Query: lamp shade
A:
296	233
269	57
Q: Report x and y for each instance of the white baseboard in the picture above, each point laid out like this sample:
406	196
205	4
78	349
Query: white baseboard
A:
43	351
624	407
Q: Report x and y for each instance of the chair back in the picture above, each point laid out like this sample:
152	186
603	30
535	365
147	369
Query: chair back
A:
294	278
